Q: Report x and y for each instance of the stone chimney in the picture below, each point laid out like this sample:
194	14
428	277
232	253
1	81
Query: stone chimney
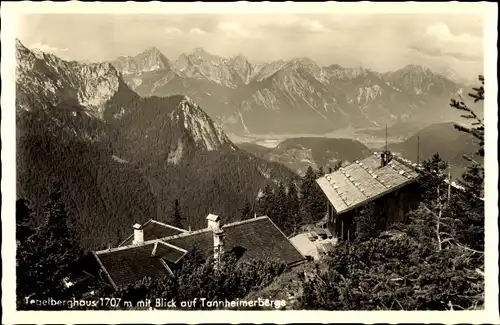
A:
385	158
218	235
138	234
213	221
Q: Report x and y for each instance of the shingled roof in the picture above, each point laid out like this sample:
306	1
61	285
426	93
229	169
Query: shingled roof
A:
365	181
127	265
154	230
256	238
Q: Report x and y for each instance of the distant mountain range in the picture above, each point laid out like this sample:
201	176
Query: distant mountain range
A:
121	158
294	96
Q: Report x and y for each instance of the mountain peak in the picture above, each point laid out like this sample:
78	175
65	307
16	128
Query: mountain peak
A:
202	129
152	50
301	60
19	44
418	68
204	55
151	59
199	50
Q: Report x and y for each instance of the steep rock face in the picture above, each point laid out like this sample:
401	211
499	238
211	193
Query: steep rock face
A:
174	127
420	80
242	67
265	70
204	132
53	81
68	97
294	98
225	72
149	60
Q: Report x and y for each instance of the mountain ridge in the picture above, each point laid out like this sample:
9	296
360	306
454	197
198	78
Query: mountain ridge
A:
308	97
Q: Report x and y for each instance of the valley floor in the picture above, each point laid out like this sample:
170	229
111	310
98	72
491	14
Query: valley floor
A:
273	140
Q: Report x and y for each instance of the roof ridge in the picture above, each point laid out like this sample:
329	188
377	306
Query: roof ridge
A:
167	225
119	248
184	234
235	223
173	246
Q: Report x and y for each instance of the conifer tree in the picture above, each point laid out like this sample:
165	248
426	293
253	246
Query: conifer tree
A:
23	213
365	223
293	199
473	178
312	202
49	255
466	206
477	127
246	212
266	201
307	182
293	207
280	212
177	216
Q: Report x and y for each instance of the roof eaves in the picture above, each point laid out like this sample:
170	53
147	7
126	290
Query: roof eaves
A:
184	251
105	271
298	251
166	267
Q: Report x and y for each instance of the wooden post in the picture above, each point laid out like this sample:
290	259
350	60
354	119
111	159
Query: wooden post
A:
449	183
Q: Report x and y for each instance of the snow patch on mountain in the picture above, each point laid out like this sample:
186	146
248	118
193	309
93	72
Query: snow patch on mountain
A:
367	94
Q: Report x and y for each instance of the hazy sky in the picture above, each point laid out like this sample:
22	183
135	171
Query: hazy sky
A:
380	42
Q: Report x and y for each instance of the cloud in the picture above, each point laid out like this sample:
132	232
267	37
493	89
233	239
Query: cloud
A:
197	31
233	29
435	52
442	32
47	48
295	24
315	26
437	40
172	31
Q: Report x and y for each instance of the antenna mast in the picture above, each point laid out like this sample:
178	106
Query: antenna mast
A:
386	138
449	183
418	150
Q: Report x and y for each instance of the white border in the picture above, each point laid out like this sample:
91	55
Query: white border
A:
10	12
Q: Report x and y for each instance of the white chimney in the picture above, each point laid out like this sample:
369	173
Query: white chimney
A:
138	234
218	235
213	221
